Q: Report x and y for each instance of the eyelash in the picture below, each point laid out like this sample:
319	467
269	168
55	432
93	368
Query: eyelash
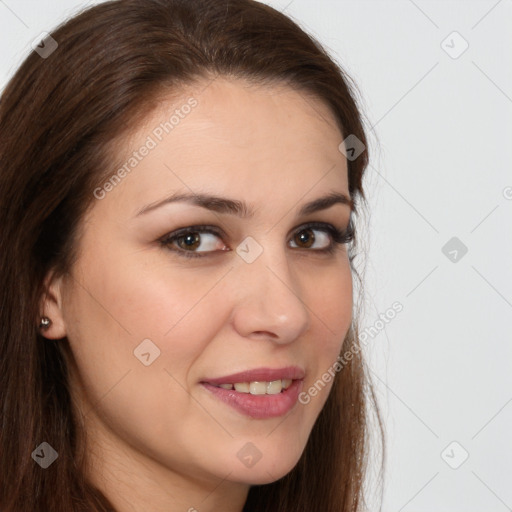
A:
339	237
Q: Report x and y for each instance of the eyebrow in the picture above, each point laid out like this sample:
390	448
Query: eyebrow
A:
240	208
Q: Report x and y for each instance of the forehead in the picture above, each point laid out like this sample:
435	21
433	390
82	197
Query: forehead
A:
230	133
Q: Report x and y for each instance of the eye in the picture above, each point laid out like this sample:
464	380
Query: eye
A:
199	241
321	237
307	239
194	239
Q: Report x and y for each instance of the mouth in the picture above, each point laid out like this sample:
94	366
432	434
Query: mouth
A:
273	387
261	393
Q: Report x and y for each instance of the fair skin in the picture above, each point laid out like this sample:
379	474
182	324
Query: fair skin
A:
157	438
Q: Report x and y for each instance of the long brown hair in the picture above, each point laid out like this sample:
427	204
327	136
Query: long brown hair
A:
59	116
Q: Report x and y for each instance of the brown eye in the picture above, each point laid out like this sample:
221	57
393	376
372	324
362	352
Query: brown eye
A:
194	241
305	238
317	238
189	241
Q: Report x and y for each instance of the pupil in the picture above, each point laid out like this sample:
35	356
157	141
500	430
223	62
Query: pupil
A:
191	241
307	237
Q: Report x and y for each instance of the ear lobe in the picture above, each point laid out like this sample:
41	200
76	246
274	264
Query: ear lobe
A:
51	307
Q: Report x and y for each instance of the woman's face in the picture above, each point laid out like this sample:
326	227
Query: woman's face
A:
154	325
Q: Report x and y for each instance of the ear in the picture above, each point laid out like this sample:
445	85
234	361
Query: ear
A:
51	307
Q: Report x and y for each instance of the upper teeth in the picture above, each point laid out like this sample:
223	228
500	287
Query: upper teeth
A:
259	387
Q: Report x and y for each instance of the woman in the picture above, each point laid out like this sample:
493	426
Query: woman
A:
178	185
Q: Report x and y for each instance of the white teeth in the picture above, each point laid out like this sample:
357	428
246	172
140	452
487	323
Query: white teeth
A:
259	387
242	387
274	387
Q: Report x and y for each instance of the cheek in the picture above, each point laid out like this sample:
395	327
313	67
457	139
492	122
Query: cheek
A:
330	304
152	321
179	312
145	297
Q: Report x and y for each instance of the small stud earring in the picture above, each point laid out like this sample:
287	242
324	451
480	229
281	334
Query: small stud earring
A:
45	323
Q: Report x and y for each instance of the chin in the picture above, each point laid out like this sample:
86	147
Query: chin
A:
264	472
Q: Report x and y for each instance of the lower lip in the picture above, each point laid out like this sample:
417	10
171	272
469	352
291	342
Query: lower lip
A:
259	406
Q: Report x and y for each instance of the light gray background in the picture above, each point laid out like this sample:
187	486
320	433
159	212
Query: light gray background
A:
441	154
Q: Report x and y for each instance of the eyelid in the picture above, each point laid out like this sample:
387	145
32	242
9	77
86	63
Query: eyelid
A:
203	228
169	238
339	236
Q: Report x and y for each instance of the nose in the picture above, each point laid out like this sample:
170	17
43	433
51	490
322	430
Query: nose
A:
269	303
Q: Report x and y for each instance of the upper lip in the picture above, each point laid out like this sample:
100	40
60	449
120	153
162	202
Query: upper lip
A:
260	374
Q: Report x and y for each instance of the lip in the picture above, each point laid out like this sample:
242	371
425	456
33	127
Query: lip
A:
259	374
259	406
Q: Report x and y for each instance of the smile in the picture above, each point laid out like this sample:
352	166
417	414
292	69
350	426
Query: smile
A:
261	393
259	388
